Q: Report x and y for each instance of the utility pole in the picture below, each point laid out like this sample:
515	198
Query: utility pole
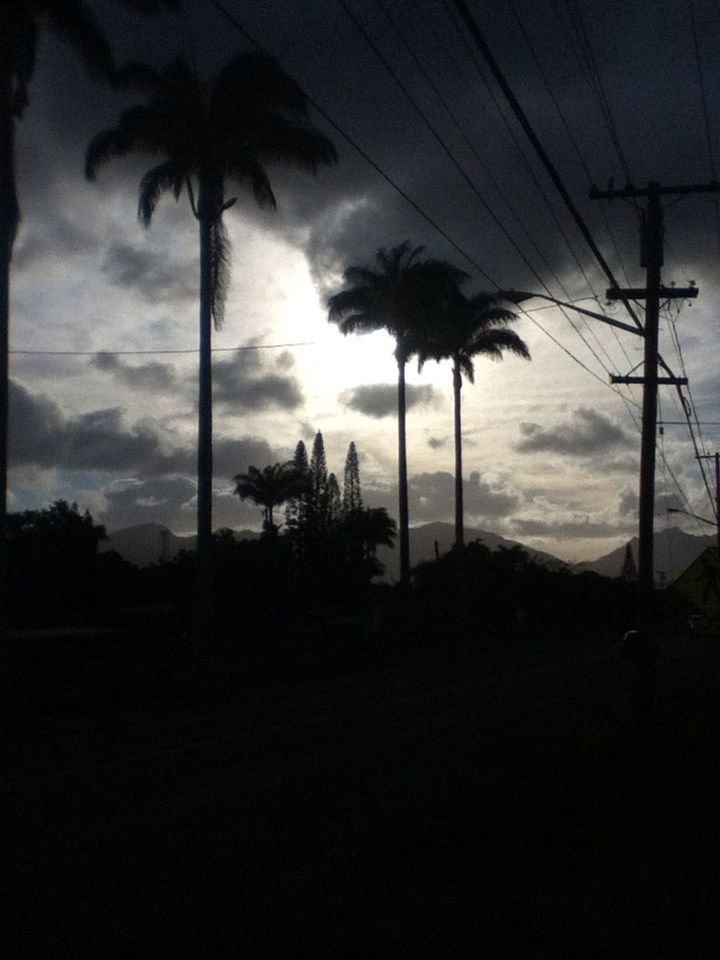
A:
716	458
651	248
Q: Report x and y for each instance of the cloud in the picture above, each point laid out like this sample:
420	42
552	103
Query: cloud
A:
149	377
161	500
380	399
628	503
433	494
171	501
41	436
246	382
588	433
437	443
432	497
58	237
568	529
153	275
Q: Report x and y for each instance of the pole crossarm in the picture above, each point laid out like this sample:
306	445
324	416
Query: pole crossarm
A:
653	293
641	293
652	189
670	381
517	296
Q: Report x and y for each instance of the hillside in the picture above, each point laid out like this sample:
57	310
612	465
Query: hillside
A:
423	539
147	543
674	552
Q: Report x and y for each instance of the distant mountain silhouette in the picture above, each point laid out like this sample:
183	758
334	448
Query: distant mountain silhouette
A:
675	550
147	543
422	547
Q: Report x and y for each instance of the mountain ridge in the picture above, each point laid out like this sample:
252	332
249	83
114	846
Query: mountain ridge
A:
146	543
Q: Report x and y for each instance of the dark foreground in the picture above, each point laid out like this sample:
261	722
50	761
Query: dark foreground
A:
501	803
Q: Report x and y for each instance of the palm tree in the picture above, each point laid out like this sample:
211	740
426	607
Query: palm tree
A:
268	488
20	25
403	294
252	114
471	326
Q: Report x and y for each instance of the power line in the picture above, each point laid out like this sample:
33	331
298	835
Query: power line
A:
521	153
137	353
353	143
550	168
433	131
260	47
491	212
468	142
706	114
573	142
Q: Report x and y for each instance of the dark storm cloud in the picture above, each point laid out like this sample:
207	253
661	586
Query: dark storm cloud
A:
380	399
59	238
432	497
160	500
248	381
437	443
231	456
628	503
150	274
433	494
40	435
589	433
148	377
171	501
344	214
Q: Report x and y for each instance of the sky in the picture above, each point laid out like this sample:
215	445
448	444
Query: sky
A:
104	413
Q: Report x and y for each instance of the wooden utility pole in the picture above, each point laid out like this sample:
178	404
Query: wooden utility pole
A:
651	247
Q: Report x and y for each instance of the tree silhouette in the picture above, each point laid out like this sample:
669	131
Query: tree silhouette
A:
469	327
20	27
268	488
352	496
251	115
403	294
297	504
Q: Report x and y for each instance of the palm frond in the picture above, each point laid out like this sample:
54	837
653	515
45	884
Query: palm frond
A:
361	276
137	129
294	146
389	261
249	172
138	76
492	343
75	22
220	270
351	310
465	365
169	175
251	85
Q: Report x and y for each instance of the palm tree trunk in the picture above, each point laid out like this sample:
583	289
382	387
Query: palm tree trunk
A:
459	510
404	518
204	607
9	216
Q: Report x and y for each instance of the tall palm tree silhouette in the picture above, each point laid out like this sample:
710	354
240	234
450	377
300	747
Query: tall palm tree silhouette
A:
268	488
470	327
252	114
21	22
403	294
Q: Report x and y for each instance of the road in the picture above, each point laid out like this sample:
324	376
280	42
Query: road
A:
128	814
